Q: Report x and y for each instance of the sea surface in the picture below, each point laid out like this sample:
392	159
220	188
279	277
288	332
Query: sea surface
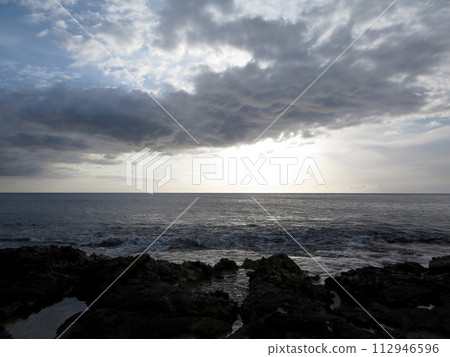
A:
341	231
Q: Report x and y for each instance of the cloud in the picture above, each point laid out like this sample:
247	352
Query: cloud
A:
281	51
11	164
129	117
363	86
41	127
38	76
23	140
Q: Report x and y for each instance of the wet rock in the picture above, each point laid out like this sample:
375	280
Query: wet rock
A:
144	273
110	323
35	277
396	286
4	333
153	310
224	266
192	273
155	299
283	302
159	299
440	265
249	264
405	298
343	328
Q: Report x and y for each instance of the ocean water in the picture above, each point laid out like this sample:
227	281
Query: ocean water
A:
342	231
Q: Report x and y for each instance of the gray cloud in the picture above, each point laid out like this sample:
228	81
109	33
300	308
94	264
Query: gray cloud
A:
178	14
236	105
61	124
46	141
11	164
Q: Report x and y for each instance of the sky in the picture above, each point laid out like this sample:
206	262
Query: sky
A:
204	80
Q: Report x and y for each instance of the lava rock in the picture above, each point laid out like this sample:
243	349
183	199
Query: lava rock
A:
408	300
156	311
3	333
283	302
224	266
34	277
440	265
158	299
250	264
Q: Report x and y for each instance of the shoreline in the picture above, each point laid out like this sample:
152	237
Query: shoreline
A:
160	299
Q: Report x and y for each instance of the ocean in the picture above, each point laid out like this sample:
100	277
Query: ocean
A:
342	231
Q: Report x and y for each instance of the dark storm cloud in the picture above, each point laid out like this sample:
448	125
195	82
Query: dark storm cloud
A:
15	164
45	141
235	106
105	112
61	124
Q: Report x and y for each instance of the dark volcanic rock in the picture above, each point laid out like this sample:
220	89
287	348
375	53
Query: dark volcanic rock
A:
146	271
408	299
155	299
283	302
150	293
250	264
35	277
4	333
404	297
158	299
175	314
223	266
440	265
396	286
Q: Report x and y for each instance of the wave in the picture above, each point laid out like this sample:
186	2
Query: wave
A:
104	243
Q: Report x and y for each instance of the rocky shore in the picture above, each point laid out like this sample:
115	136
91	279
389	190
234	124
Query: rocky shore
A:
158	299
